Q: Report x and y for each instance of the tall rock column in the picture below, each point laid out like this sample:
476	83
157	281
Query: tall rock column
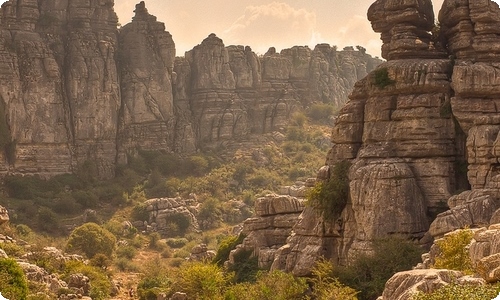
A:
91	82
218	112
470	29
34	125
146	61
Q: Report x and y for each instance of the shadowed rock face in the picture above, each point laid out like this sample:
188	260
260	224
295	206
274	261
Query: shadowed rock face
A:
420	128
74	88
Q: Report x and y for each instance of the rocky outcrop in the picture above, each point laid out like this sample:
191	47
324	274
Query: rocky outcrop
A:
404	285
418	130
171	214
4	215
268	230
77	91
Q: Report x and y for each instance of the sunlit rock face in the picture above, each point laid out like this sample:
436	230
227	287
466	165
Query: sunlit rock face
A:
419	130
76	89
147	54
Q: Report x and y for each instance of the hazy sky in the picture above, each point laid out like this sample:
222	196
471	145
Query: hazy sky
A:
262	23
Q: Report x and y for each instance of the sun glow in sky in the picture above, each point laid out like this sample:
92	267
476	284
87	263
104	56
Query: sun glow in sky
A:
261	24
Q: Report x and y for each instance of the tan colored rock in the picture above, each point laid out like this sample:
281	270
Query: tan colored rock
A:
403	285
147	54
404	27
4	215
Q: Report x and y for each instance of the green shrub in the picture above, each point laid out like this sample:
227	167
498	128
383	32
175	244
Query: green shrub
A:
381	78
87	199
369	273
201	281
456	291
210	214
454	252
128	252
154	281
154	241
326	286
330	197
275	285
125	265
140	212
13	283
48	220
91	239
177	243
12	249
100	284
101	261
245	267
227	245
23	230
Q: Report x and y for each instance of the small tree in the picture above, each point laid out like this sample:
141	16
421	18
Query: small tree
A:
91	239
454	252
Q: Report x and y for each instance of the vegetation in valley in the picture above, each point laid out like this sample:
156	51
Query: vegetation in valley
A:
83	214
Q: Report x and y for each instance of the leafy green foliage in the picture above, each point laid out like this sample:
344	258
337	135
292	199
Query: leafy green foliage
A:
100	283
91	239
274	285
227	245
154	281
381	78
13	284
201	281
177	242
457	291
245	267
369	273
326	286
331	197
454	252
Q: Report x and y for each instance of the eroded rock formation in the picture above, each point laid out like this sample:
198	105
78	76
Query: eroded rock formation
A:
75	89
418	130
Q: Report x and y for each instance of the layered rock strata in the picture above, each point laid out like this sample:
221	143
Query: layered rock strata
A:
75	89
417	131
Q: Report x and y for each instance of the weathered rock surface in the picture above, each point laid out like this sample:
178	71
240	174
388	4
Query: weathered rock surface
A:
165	211
403	285
269	229
4	215
420	128
76	89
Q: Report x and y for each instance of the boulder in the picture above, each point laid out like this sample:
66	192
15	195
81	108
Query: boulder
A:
403	285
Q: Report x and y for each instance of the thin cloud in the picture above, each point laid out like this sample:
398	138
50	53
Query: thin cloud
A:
276	25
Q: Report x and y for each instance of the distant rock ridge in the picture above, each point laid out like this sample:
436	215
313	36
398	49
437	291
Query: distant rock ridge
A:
421	132
75	88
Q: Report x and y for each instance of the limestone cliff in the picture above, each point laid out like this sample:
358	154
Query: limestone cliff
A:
75	88
418	130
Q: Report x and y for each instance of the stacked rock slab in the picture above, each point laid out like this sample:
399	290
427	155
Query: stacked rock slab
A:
470	29
269	229
398	136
